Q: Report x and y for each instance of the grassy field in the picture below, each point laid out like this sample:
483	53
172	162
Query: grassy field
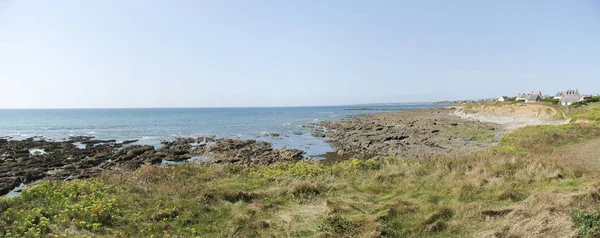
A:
473	133
522	187
589	113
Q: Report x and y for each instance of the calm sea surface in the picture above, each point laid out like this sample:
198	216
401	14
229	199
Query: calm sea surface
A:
151	126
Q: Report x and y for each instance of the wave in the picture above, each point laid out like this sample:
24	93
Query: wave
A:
148	138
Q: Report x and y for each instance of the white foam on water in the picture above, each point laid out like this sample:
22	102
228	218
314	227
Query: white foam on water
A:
147	138
36	151
16	191
166	162
79	145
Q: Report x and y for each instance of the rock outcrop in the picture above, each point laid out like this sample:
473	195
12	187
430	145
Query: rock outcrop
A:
63	160
411	133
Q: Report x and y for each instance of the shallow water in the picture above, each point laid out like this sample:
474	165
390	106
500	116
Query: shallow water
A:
151	126
16	191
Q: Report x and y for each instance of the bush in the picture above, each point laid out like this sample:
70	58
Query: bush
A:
587	223
310	169
586	101
304	190
84	205
337	224
550	100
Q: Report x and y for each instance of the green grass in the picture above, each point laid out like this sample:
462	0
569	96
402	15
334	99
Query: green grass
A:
472	132
507	190
587	222
591	113
544	139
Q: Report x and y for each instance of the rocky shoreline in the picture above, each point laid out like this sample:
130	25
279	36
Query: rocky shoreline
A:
410	133
30	160
406	134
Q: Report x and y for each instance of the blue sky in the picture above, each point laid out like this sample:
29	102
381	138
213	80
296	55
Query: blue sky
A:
134	53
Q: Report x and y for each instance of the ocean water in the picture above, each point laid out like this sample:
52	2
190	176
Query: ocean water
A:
151	126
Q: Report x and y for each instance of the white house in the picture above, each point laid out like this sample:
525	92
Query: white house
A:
502	99
569	97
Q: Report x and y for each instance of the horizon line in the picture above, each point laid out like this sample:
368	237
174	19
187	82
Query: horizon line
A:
217	107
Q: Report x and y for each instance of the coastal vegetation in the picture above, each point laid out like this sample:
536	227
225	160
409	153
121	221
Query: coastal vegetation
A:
536	180
588	113
550	100
586	101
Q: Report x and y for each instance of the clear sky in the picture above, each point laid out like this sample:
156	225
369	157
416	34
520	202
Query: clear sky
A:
140	53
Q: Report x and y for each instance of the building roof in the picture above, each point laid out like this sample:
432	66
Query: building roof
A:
568	92
572	92
533	97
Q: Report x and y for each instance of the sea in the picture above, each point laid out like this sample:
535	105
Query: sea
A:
152	125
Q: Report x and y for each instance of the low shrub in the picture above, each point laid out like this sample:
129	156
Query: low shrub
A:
87	205
311	169
550	100
587	223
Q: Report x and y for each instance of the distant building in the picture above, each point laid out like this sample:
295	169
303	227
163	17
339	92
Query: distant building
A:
569	97
559	95
534	97
502	99
521	97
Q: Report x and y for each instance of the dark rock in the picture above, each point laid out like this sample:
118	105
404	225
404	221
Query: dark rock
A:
65	161
249	152
93	142
410	133
318	134
126	142
7	184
